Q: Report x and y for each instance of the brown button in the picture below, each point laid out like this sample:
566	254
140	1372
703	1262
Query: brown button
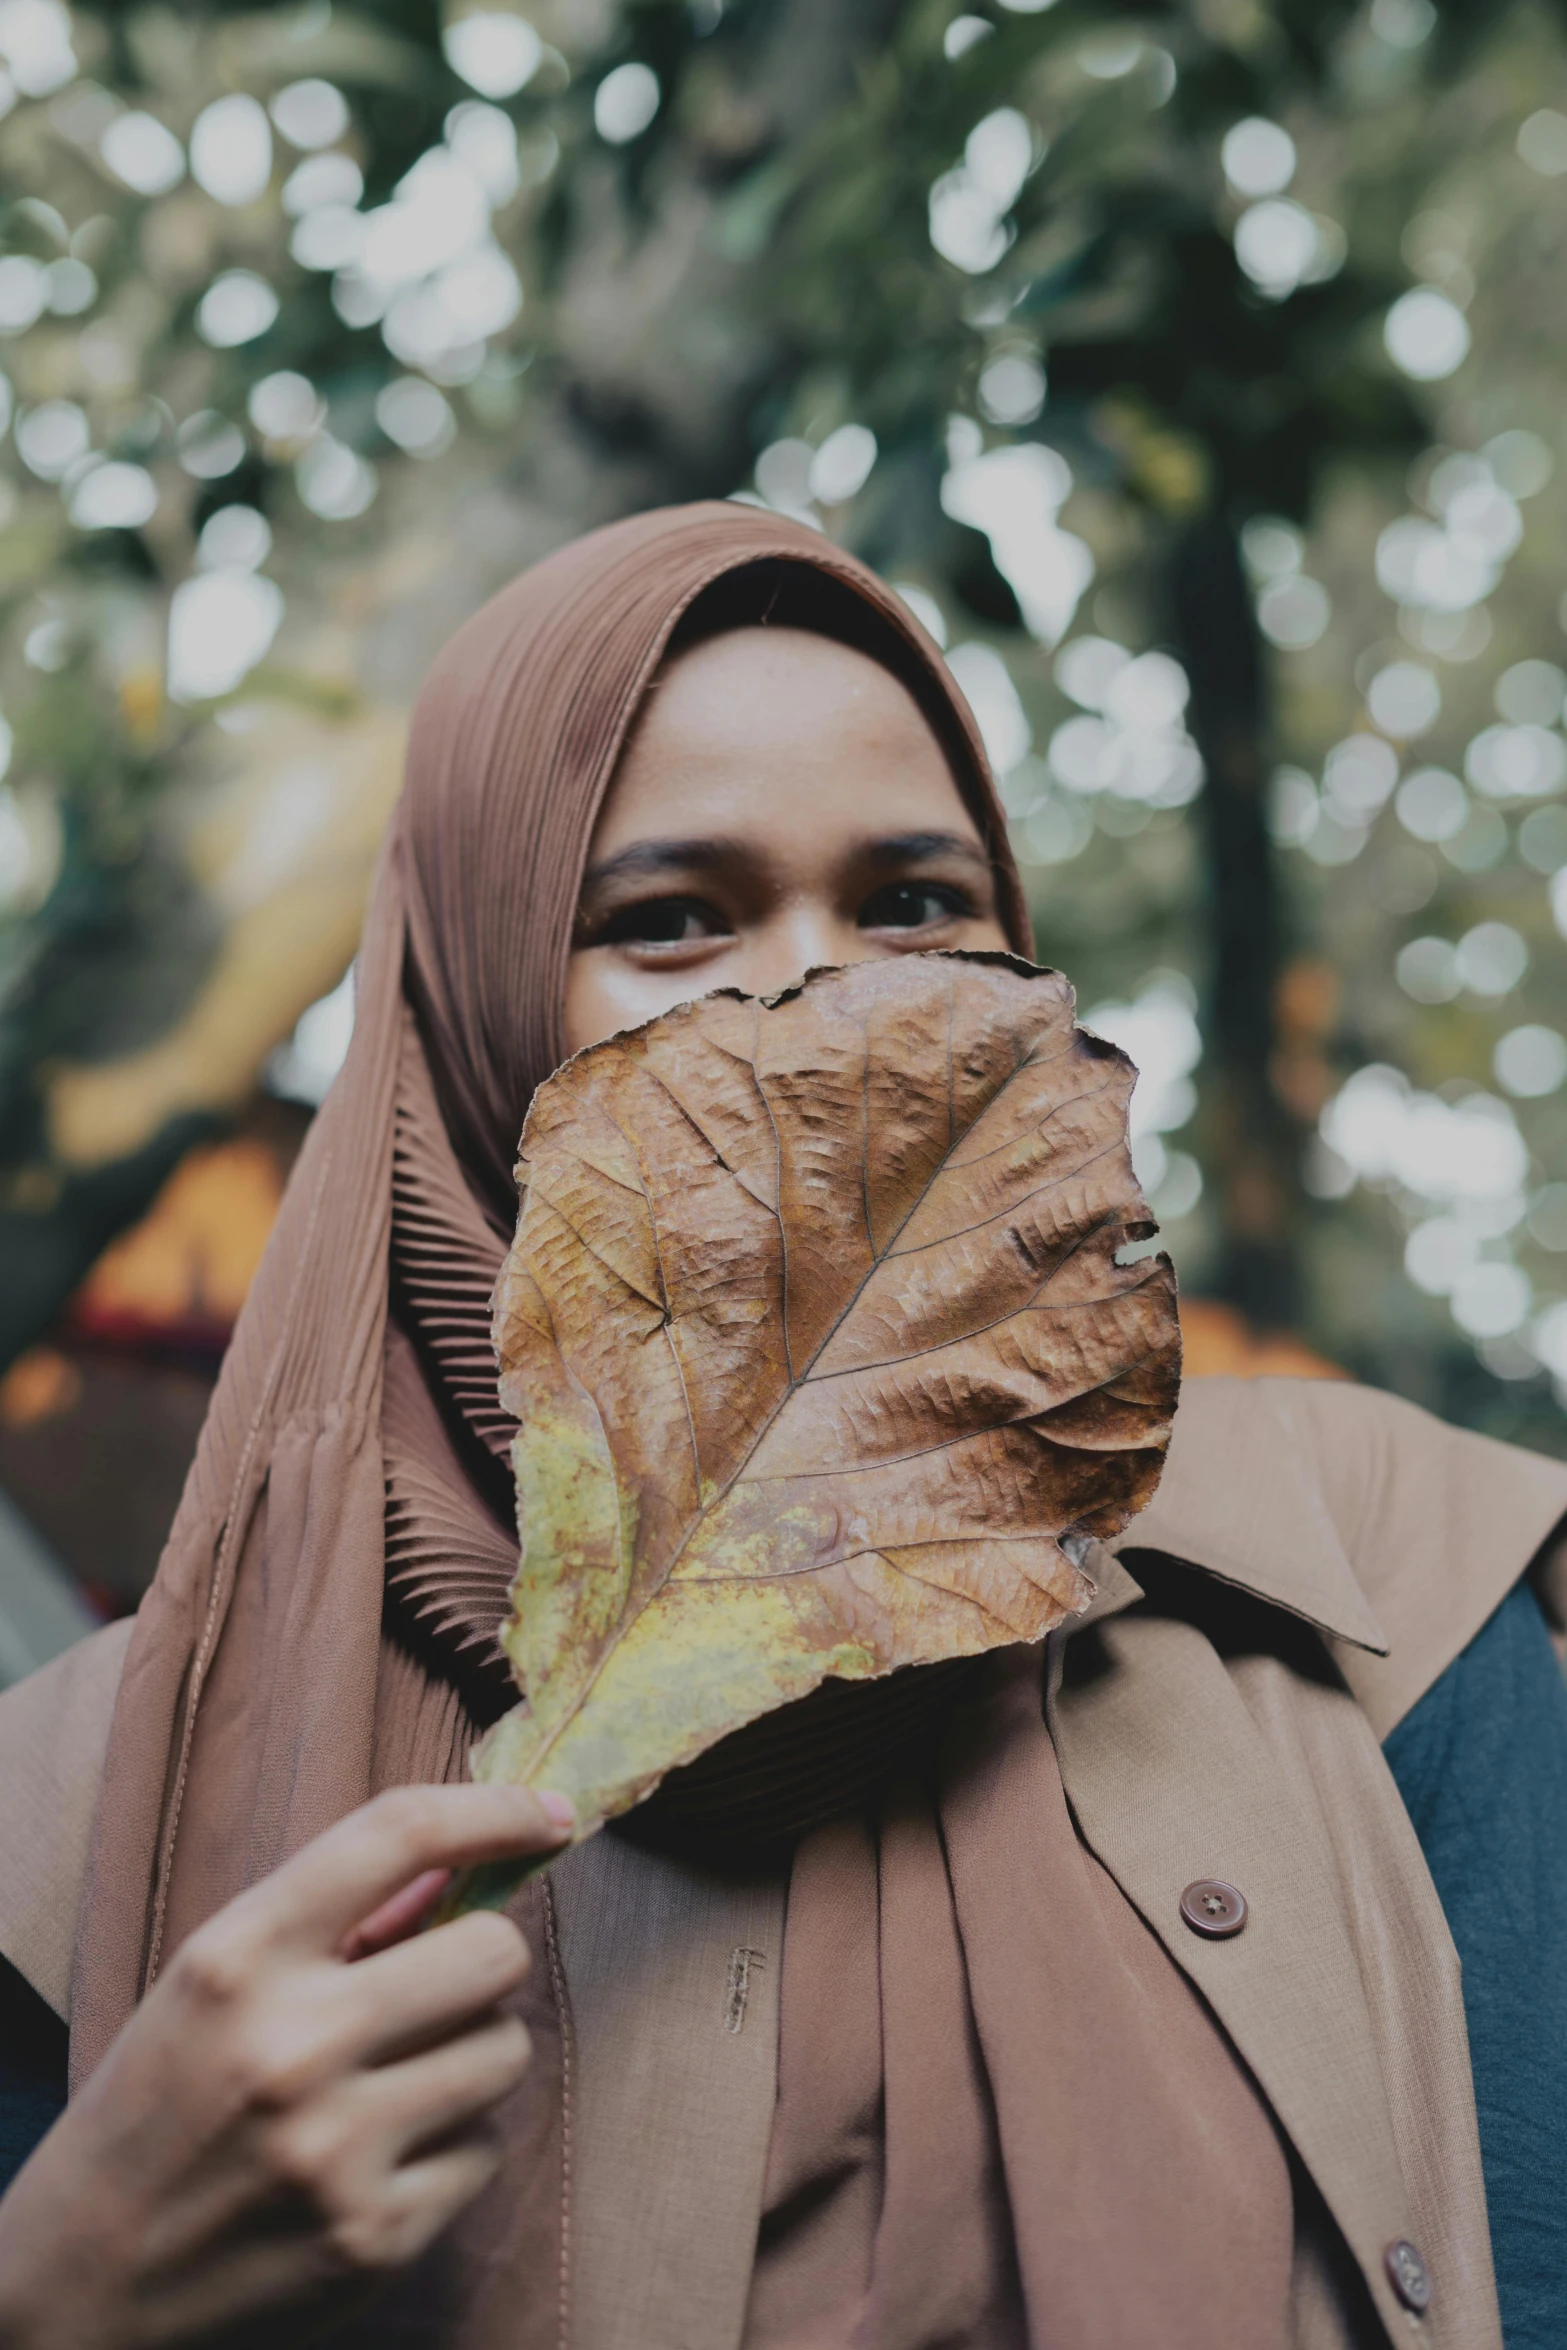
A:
1408	2275
1213	1908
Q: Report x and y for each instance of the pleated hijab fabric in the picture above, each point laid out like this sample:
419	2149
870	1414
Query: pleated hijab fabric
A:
322	1622
1005	2121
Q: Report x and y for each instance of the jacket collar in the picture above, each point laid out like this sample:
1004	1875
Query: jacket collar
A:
1240	1498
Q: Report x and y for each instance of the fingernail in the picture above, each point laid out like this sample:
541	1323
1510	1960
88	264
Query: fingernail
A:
559	1810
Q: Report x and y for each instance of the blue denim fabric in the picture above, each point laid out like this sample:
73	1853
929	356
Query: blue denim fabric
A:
1481	1764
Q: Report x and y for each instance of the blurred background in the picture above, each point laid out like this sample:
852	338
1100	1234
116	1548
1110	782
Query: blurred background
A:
1194	371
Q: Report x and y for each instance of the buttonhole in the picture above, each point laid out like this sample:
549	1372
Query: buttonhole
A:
737	1987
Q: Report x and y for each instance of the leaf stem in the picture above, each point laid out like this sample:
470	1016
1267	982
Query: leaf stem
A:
491	1885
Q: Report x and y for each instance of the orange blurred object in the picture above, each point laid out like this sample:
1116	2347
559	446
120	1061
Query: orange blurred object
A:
1219	1342
1307	999
38	1386
185	1268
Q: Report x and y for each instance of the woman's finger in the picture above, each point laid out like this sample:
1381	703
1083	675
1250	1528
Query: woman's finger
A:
328	2264
416	2201
402	1999
396	1919
316	1899
436	2096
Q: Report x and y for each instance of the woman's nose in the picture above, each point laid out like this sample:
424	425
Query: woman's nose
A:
805	939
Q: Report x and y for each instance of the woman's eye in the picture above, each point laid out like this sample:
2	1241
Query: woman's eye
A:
662	922
912	905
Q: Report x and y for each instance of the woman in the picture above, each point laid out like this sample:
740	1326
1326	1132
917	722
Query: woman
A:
1111	2001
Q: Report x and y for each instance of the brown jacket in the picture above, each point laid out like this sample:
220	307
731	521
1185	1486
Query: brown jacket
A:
1362	1544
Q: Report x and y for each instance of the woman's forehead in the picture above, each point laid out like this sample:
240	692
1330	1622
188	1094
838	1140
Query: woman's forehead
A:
765	728
799	678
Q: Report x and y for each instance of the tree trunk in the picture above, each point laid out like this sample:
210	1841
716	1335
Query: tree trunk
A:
1254	1141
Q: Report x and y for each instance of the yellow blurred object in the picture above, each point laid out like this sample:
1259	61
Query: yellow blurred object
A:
141	702
193	1256
1171	469
286	852
1217	1342
40	1385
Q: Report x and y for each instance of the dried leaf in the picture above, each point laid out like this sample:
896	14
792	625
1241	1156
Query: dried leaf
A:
819	1347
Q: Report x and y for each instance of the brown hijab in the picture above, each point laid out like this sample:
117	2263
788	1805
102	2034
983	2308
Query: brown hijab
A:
322	1621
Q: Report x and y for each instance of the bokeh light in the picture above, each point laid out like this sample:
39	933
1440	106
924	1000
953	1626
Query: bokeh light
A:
1404	699
1014	495
842	465
968	206
1158	1032
113	497
495	52
1426	335
625	102
235	538
1530	1061
221	623
987	686
236	308
231	149
1258	157
143	152
1542	142
310	113
1012	388
415	415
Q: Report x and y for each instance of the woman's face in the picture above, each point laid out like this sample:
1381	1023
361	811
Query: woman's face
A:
780	804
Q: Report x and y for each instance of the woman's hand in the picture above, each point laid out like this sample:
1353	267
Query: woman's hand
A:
297	2107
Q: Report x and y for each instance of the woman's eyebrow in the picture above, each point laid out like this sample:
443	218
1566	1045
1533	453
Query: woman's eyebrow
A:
913	848
645	857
